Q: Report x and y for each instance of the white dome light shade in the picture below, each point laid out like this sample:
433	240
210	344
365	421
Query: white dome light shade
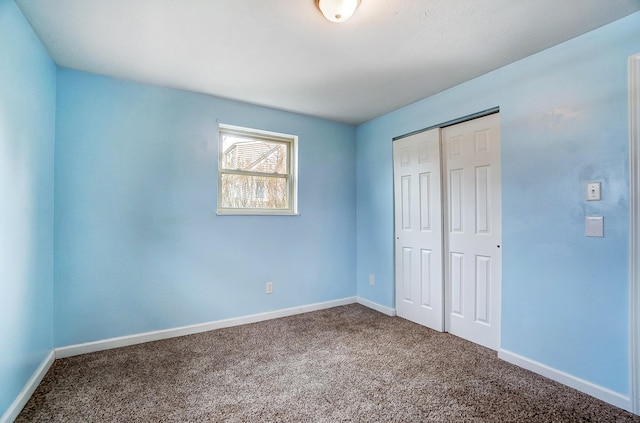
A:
337	10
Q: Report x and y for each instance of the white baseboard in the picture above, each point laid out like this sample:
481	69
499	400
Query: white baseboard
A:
124	341
21	400
582	385
377	307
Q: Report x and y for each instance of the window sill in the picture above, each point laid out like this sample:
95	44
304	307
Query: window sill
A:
255	213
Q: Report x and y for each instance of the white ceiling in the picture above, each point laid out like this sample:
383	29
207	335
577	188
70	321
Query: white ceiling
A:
284	54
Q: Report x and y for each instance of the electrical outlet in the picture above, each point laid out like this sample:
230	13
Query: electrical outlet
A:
269	288
372	280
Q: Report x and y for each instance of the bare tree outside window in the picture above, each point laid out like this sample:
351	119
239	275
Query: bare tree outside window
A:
255	171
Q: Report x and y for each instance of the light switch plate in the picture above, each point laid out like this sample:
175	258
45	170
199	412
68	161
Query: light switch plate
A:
594	226
593	191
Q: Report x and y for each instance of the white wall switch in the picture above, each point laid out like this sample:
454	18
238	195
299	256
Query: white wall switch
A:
269	288
593	191
372	280
594	226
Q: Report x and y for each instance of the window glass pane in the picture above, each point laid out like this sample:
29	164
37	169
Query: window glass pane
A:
254	155
245	191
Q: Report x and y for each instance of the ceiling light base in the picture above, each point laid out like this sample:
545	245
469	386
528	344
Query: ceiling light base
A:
337	10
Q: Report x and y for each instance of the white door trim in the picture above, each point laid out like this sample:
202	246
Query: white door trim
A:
634	228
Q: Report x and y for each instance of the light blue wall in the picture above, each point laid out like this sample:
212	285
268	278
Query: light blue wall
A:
564	122
138	244
27	122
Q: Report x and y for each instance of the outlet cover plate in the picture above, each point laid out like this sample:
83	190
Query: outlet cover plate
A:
594	226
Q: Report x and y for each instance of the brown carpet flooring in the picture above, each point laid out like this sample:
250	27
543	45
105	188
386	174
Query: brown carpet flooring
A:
338	365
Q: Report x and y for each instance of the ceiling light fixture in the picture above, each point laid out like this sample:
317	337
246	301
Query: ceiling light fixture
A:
337	10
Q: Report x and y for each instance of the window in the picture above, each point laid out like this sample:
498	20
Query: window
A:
256	172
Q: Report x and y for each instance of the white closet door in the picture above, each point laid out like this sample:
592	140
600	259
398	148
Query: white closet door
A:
418	229
471	160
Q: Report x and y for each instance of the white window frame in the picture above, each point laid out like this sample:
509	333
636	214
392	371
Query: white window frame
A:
292	176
